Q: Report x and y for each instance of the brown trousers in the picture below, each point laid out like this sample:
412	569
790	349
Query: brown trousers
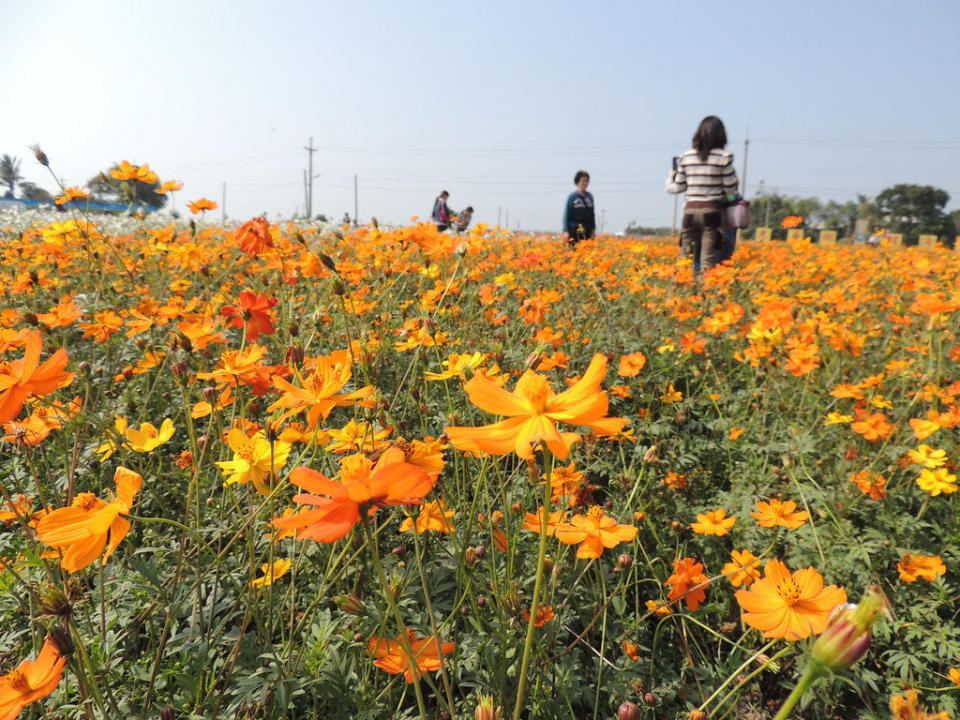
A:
701	233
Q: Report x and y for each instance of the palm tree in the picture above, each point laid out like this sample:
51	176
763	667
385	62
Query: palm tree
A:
10	173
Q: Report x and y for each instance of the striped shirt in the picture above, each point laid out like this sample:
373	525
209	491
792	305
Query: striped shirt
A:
703	181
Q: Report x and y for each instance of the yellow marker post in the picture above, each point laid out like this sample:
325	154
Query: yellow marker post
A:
828	237
895	239
795	234
762	234
927	242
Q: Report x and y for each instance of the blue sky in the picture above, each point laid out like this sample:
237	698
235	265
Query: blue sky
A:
499	103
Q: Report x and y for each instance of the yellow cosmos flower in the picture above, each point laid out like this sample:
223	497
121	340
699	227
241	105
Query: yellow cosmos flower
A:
433	516
836	418
148	438
714	522
253	459
937	481
671	395
271	573
928	457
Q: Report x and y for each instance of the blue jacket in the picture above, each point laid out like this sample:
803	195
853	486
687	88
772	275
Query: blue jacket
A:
579	211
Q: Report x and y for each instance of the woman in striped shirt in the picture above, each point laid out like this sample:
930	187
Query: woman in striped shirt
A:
705	173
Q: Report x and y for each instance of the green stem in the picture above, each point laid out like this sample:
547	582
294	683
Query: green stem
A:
537	585
806	682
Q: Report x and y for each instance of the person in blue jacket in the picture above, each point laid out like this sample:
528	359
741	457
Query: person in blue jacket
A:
579	221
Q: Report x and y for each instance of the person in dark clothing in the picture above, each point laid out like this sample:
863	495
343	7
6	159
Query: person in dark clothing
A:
579	222
441	213
463	219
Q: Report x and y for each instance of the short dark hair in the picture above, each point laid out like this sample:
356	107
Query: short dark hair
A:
469	208
580	174
710	135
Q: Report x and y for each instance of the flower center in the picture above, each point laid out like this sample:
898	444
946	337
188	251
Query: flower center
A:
246	451
789	591
85	501
18	681
595	512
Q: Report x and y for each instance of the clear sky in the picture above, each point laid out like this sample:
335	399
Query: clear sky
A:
497	102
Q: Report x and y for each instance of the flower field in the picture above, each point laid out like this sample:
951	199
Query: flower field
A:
298	471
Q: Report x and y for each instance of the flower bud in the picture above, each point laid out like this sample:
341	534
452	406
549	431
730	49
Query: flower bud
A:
352	605
625	561
649	699
486	710
628	711
848	633
698	715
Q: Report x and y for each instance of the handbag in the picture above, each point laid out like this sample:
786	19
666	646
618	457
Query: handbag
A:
738	213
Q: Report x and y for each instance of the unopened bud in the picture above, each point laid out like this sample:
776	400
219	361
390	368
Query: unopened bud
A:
352	605
698	715
848	633
40	155
625	561
628	711
486	710
649	698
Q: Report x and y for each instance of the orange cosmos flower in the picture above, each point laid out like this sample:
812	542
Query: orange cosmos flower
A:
688	582
169	186
533	410
594	531
792	221
631	649
907	707
714	522
544	615
362	487
785	514
632	364
789	606
744	569
534	523
872	484
202	205
433	516
253	314
254	236
928	567
392	656
80	531
320	393
70	193
873	427
124	171
21	379
32	680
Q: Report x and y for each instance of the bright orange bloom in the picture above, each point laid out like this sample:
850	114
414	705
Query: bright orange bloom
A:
714	522
744	569
872	484
20	506
789	606
21	379
544	615
792	221
631	649
320	393
124	171
362	487
70	193
873	427
594	531
392	656
433	516
688	582
632	364
253	314
32	430
32	680
928	567
80	531
784	514
533	410
254	236
907	707
202	205
534	523
104	325
169	186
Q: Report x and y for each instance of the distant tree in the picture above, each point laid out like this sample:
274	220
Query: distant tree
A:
634	229
106	188
34	192
769	210
915	210
10	173
843	217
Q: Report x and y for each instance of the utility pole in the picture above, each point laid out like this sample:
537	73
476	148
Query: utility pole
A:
356	221
305	195
746	147
603	220
223	204
499	215
507	223
310	151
